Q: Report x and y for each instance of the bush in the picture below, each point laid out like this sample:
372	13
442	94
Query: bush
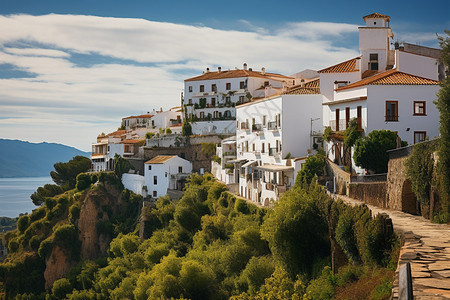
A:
61	288
13	246
83	181
168	131
35	243
241	206
23	223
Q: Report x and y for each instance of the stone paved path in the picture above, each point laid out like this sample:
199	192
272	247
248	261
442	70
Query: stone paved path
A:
426	247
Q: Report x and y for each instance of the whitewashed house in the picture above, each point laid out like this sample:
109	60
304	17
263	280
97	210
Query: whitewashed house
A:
104	150
171	118
384	88
134	122
165	172
273	137
225	171
210	98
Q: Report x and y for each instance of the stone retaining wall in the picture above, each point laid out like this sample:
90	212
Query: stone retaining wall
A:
373	193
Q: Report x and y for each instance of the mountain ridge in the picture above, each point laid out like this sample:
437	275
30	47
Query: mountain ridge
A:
26	159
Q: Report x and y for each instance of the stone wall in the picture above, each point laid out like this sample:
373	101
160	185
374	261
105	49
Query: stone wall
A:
342	178
373	193
192	153
399	195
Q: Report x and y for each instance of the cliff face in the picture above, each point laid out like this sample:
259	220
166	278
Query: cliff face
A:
98	206
56	266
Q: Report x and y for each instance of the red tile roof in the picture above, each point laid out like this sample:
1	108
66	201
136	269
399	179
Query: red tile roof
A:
391	77
343	67
130	141
160	159
309	88
377	16
236	74
140	116
117	133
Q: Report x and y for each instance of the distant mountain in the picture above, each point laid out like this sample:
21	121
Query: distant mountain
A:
25	159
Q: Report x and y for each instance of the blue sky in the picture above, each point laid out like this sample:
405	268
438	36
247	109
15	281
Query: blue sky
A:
72	69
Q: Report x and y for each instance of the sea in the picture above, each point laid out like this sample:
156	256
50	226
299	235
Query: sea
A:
15	194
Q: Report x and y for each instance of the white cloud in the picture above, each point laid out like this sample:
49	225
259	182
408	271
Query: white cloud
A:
142	65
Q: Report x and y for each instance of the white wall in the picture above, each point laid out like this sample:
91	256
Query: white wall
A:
327	81
134	183
405	95
417	65
214	127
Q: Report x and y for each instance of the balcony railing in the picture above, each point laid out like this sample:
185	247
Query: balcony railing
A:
272	151
392	118
257	127
272	125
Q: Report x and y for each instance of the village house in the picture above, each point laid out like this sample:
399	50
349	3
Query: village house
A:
165	172
383	88
104	150
210	98
273	137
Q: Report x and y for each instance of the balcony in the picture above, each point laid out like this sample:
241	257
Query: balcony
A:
391	118
272	125
257	127
273	151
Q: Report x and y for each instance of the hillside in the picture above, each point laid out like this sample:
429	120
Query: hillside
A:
25	159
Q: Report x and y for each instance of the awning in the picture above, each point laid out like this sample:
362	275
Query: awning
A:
228	142
248	164
275	168
233	161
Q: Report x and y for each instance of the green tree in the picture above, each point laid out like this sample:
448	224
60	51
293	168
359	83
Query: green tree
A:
48	190
121	165
351	135
208	149
149	135
168	131
186	129
443	105
370	151
65	174
314	165
61	288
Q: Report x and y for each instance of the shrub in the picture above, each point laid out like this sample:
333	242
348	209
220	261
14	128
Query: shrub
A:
168	131
61	288
35	243
13	246
241	206
83	181
23	223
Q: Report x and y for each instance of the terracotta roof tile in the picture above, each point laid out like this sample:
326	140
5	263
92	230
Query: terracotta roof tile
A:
343	67
160	159
309	88
378	16
140	116
236	74
117	133
130	141
391	77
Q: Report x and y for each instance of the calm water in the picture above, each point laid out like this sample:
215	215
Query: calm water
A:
15	194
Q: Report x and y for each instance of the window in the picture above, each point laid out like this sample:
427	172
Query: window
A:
202	88
338	84
246	146
165	175
241	99
202	115
391	111
180	169
347	116
153	122
190	89
419	108
266	83
337	119
264	120
213	102
213	88
155	194
373	61
228	86
149	167
253	147
242	85
262	147
190	101
253	121
227	100
419	136
279	120
359	117
155	180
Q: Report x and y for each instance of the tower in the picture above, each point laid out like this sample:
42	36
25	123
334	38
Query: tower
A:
374	44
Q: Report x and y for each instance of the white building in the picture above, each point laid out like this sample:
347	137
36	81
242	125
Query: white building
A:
273	137
165	172
134	122
165	119
383	88
227	153
210	99
104	150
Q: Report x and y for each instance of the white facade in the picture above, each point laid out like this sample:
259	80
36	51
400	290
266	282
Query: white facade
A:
165	172
134	183
383	88
104	150
165	119
271	133
210	99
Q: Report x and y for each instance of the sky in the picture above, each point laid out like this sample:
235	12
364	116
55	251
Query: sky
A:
70	70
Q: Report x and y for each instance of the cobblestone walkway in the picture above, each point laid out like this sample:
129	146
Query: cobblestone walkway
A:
426	247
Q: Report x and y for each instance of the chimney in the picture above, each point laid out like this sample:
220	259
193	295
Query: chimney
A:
245	66
358	63
219	69
207	70
160	109
263	71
